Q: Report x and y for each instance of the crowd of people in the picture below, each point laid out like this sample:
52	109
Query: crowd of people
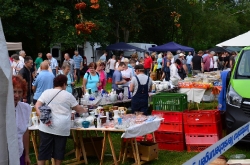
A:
44	82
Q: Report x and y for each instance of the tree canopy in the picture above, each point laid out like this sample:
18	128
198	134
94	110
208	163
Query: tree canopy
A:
197	23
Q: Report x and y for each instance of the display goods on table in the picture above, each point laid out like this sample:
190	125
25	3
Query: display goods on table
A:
202	84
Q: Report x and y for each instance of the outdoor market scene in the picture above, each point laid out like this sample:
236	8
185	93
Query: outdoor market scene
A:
94	87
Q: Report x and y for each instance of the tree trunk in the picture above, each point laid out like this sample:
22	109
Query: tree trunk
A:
117	33
126	35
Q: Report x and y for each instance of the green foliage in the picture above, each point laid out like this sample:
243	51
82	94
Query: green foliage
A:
39	24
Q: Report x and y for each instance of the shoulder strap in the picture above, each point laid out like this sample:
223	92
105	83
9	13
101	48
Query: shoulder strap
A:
138	80
54	96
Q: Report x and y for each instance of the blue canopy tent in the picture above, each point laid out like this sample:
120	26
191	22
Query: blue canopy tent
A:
171	46
122	46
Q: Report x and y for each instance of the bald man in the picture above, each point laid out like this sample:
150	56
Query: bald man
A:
53	63
43	81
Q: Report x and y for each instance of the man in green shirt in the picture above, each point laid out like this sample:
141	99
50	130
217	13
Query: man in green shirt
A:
38	60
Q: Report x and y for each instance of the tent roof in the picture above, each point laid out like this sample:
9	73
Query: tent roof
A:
240	40
171	46
122	46
14	45
219	49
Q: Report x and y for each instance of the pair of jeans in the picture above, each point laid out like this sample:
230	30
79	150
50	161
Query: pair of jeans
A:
111	72
189	68
146	71
54	72
78	75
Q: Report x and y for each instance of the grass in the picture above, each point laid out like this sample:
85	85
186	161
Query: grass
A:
165	157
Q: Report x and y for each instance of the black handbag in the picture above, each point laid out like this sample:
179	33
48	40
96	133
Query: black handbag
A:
45	112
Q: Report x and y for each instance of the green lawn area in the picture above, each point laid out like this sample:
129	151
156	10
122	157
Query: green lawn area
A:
165	157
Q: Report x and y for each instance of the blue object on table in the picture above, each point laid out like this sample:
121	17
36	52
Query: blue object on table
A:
85	124
119	121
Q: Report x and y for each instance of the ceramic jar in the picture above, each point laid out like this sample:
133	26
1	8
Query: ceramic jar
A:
91	118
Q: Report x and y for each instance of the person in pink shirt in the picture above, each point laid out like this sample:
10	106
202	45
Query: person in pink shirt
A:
102	74
209	62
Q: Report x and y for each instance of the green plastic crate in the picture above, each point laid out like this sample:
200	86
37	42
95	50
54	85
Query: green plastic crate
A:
170	101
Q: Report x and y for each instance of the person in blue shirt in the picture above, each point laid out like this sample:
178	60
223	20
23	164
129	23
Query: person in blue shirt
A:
53	63
159	66
70	81
42	82
78	60
91	79
103	58
189	61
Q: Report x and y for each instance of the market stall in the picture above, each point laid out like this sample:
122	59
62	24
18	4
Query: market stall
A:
131	125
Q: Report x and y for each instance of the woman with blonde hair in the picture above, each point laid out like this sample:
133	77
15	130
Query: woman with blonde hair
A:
166	62
127	73
159	66
100	70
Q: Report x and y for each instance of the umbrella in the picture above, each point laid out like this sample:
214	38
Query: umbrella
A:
218	49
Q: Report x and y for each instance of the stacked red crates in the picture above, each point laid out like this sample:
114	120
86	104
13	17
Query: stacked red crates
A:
170	135
202	129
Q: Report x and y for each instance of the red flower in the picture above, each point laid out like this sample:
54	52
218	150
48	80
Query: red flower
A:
80	6
94	1
95	6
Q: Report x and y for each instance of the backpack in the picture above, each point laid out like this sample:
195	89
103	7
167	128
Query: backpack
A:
90	76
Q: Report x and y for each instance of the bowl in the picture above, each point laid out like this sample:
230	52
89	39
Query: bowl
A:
85	124
238	156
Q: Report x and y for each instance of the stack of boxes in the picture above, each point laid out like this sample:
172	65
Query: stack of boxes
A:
202	129
170	135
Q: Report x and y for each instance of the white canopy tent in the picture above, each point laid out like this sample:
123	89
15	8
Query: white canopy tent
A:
240	40
14	45
9	152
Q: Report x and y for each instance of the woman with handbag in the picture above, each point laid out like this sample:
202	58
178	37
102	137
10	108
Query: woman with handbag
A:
53	134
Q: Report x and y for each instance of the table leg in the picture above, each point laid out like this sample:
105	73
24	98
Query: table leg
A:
125	150
103	147
112	148
133	150
34	142
79	135
137	152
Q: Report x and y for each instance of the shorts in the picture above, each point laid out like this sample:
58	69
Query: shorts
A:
51	146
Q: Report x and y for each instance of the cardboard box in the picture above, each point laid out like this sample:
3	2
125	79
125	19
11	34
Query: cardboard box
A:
238	162
90	151
147	150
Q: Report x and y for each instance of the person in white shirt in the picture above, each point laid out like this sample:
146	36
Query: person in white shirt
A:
189	61
22	114
53	63
127	73
53	135
22	54
111	64
121	57
216	59
17	64
174	70
117	63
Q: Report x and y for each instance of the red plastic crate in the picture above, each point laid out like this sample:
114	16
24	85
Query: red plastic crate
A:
201	139
201	116
171	127
203	128
149	137
161	136
172	146
169	116
197	147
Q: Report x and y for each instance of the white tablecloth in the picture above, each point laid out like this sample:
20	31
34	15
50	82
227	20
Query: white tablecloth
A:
195	94
141	129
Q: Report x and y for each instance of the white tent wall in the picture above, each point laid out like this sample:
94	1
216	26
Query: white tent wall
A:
9	152
240	40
